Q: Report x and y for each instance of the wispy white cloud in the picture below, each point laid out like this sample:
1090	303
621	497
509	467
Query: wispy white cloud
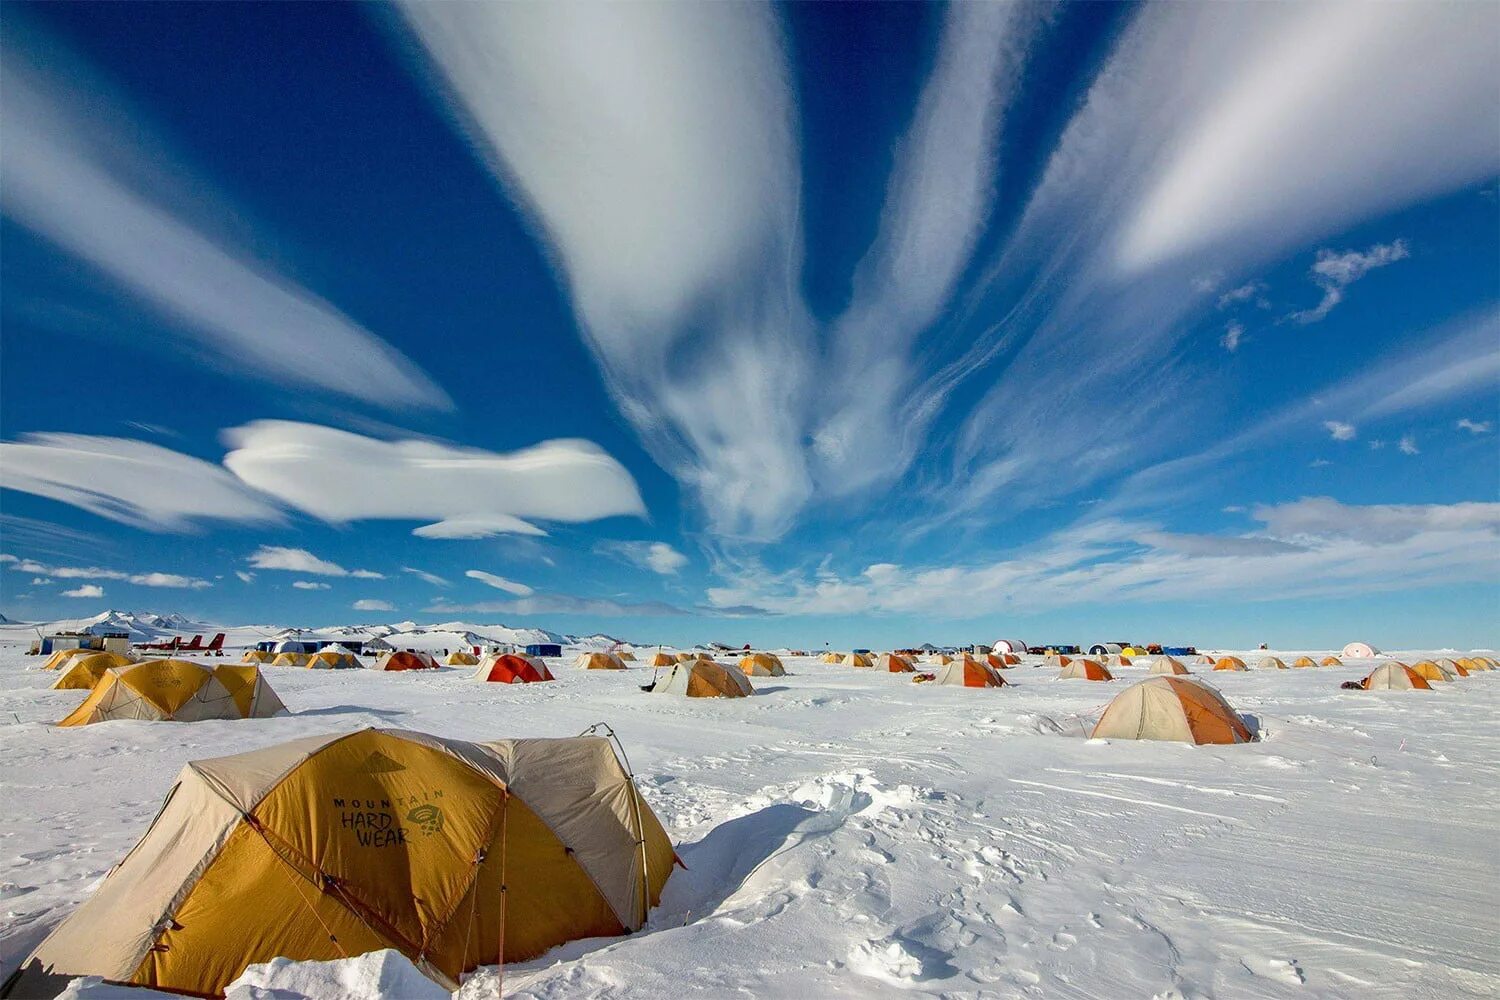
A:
499	582
133	482
1333	271
563	604
245	577
310	585
1339	430
424	576
151	579
81	171
366	574
1473	426
1233	332
87	590
658	557
371	604
41	581
1408	445
1250	291
294	561
469	492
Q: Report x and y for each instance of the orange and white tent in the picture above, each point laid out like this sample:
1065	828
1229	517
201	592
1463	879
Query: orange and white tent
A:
512	668
456	854
969	673
762	665
1230	663
703	679
1086	670
1395	677
405	659
1270	663
858	660
1432	672
599	661
1178	709
1057	660
1304	661
940	659
177	691
1116	660
1453	666
894	663
1331	661
1167	665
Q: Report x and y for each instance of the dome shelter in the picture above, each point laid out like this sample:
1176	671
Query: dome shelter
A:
1175	709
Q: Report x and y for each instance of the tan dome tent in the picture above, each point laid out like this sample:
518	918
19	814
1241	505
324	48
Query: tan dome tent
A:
339	845
1086	670
762	665
1303	661
1430	671
1453	667
703	679
830	658
290	660
1167	665
687	657
1117	660
1330	661
626	656
968	673
1360	651
83	672
257	656
63	657
178	691
1230	663
1171	708
1270	663
858	660
328	659
663	660
462	658
1395	677
512	668
598	661
1204	660
940	659
894	663
405	659
1057	660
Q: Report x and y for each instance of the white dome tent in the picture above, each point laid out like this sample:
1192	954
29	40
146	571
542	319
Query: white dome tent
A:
1359	651
1015	646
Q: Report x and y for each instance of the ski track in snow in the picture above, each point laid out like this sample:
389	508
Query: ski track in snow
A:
850	834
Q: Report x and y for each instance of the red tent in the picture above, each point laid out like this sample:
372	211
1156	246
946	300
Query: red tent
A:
509	668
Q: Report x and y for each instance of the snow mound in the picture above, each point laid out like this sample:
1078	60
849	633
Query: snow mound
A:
378	975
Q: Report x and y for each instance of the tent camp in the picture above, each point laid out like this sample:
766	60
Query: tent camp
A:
328	659
1230	663
83	672
1167	665
1178	709
290	660
762	665
1430	671
858	660
338	845
63	657
177	691
1304	661
1270	663
894	663
461	658
512	668
1360	651
1395	677
405	659
1085	669
663	660
257	656
703	679
968	673
1475	664
1330	661
1015	646
598	661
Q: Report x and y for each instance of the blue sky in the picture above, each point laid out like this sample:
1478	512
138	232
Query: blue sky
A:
858	324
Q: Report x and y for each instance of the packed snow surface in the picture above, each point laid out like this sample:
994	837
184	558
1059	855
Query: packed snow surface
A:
848	833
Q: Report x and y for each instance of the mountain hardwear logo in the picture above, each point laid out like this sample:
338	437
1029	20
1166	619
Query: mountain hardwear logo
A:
429	819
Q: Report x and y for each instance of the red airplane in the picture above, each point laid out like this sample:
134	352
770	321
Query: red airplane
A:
176	645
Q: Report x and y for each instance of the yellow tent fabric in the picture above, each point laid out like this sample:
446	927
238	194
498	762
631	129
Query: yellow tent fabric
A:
462	658
830	658
687	657
290	659
178	691
257	656
1132	651
1230	663
339	845
83	672
703	679
598	661
327	659
1304	661
663	660
1430	671
858	660
762	665
63	657
1331	661
625	655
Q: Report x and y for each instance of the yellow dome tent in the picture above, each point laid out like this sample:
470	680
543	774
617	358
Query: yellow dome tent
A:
830	658
462	658
703	679
1331	661
456	854
178	691
858	660
328	659
687	657
1304	661
598	661
663	660
1230	663
290	659
1430	671
625	655
257	656
83	672
63	657
762	665
1176	709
